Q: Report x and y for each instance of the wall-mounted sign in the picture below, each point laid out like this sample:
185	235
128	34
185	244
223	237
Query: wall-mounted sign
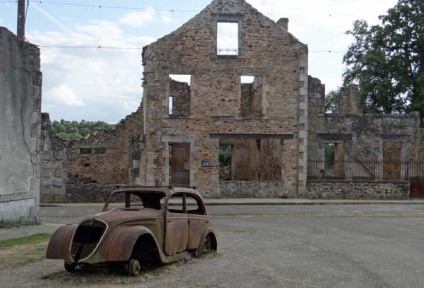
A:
206	163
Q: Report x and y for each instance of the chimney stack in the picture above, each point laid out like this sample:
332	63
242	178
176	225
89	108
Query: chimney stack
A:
284	22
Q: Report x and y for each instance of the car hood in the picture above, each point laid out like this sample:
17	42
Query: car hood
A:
117	216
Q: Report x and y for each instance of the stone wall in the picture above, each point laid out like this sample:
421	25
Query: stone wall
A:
357	190
277	105
362	141
20	129
108	157
54	164
87	193
250	189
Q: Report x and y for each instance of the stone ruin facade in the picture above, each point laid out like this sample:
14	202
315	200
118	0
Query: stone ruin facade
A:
20	129
264	123
381	154
268	136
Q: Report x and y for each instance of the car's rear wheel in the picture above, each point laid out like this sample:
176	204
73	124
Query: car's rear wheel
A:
207	245
134	267
70	267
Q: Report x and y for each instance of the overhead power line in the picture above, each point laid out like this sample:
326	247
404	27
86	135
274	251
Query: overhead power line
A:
113	7
141	48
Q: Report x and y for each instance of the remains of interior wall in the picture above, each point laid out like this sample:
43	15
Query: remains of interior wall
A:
181	94
108	157
20	129
54	165
376	147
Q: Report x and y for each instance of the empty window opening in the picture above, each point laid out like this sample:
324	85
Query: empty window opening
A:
228	38
171	105
392	158
252	96
100	150
251	160
86	150
183	78
179	96
225	162
247	79
334	160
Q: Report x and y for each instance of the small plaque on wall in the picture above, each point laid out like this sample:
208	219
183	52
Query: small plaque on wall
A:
206	163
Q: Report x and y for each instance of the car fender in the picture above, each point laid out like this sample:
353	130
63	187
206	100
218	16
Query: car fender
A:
60	241
119	243
206	232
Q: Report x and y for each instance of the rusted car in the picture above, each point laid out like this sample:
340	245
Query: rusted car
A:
137	225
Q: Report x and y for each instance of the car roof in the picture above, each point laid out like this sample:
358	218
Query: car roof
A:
166	190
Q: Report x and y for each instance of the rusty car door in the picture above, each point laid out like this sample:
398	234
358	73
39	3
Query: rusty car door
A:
197	220
176	230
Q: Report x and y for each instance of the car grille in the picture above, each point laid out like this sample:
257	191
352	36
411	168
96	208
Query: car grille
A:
86	238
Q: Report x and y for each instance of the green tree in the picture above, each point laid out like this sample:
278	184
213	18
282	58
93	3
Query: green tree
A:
387	60
73	130
331	100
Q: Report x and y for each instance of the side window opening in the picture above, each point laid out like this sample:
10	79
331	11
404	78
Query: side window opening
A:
176	204
194	206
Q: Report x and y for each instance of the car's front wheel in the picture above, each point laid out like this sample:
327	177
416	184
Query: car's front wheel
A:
134	267
70	267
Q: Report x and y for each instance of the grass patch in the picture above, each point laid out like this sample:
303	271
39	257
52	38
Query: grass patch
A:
22	251
112	276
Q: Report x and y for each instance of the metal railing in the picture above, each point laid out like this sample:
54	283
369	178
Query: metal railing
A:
179	178
365	170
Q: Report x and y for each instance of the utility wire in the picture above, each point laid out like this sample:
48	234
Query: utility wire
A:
141	48
112	7
176	10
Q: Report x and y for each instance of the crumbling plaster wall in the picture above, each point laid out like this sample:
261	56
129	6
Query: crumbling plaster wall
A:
20	129
266	50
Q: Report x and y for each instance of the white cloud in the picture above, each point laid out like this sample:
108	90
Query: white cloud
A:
166	17
138	18
103	83
64	95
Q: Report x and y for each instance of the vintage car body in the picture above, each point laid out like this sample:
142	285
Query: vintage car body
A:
137	225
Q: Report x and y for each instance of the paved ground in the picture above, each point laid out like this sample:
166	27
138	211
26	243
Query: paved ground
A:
280	246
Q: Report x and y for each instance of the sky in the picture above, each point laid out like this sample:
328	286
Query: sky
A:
91	49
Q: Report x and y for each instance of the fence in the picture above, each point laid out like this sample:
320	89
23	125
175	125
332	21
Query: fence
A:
365	170
179	178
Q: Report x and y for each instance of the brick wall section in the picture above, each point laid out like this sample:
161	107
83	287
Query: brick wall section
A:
120	162
267	51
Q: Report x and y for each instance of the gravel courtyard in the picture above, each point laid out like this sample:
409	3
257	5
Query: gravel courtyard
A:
271	246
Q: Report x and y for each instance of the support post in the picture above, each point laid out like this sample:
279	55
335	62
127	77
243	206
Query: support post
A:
20	31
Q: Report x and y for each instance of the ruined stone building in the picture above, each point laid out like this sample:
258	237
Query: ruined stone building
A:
375	156
20	129
263	123
248	121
